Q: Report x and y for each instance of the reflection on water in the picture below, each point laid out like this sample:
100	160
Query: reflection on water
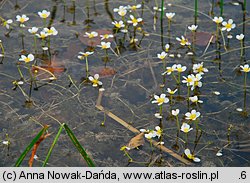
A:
131	77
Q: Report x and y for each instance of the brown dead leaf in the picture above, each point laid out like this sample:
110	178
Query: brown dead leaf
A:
136	141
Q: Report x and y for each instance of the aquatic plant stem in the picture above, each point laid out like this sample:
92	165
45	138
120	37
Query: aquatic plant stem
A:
178	129
162	14
245	92
87	67
245	6
241	48
196	11
20	72
221	7
2	48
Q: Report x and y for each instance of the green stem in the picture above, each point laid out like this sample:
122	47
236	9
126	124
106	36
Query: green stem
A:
245	91
242	47
221	7
195	12
87	67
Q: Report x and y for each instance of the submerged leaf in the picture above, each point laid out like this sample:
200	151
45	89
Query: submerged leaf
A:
136	141
105	71
202	38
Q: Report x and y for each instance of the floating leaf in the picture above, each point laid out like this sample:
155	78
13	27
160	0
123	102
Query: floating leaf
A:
136	141
202	38
105	71
96	40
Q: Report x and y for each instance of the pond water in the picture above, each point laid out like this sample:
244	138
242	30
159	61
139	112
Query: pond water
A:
131	78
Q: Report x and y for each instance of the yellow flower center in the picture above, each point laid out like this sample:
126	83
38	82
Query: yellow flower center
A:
160	100
246	69
133	7
43	15
134	20
200	69
190	156
50	31
192	116
228	26
183	42
91	35
22	20
161	57
170	70
95	81
185	130
118	25
179	69
43	36
189	80
122	13
26	60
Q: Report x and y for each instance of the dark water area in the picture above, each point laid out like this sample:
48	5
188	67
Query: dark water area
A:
131	78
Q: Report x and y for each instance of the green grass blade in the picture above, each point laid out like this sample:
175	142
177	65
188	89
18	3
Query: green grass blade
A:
29	147
53	145
221	7
79	147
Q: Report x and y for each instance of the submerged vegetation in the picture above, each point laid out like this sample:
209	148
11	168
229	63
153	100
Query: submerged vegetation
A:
182	84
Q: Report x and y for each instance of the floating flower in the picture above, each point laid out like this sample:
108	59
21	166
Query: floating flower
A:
122	10
170	15
119	24
175	112
193	115
134	7
6	142
106	36
160	99
193	28
216	93
162	55
183	41
51	31
197	81
245	68
134	20
189	80
22	19
158	9
169	70
240	37
191	156
82	55
91	34
167	46
42	35
228	25
186	128
195	99
198	68
44	14
7	23
158	115
150	135
95	80
179	68
218	20
33	30
27	59
104	45
171	92
158	131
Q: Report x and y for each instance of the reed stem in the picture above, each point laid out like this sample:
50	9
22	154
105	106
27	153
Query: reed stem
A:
221	7
196	11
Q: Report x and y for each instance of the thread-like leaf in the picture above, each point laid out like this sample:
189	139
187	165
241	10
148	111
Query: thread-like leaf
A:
30	146
78	146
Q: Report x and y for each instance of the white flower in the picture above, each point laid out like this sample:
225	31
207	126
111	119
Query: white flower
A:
218	20
175	112
33	30
198	68
171	92
106	36
229	36
158	115
134	7
82	55
170	15
119	24
219	153
158	131
245	68
6	142
179	68
44	14
124	30
149	135
167	46
42	35
193	27
216	93
22	18
162	55
191	156
122	10
169	70
197	81
27	59
195	99
51	31
186	128
95	80
104	45
158	9
91	34
134	20
7	23
183	41
228	25
189	80
193	115
160	99
240	37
